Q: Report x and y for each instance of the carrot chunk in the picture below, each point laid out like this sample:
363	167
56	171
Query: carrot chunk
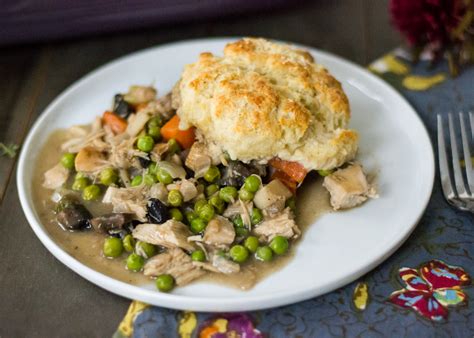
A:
286	180
170	130
115	122
292	169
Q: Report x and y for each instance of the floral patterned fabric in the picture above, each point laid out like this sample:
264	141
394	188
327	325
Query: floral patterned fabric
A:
431	289
386	302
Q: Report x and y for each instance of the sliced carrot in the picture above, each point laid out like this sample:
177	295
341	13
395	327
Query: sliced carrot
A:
286	180
170	130
293	169
115	122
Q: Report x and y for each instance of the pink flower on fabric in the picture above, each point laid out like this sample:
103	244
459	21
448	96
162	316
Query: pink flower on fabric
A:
431	289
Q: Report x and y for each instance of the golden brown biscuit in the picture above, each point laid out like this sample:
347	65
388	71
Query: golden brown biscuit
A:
263	99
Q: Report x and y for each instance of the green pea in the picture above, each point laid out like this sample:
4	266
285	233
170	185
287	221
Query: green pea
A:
144	249
154	132
149	179
175	198
325	172
279	245
67	160
154	126
176	214
165	283
238	222
241	231
80	175
211	189
190	216
80	183
198	256
198	225
217	203
256	216
153	168
145	143
136	181
228	194
199	204
239	253
155	121
173	146
135	262
163	176
245	195
251	243
264	253
206	212
252	183
91	192
128	243
212	174
112	247
108	176
291	203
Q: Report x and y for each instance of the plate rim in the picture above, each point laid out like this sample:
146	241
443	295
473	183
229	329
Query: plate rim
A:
174	301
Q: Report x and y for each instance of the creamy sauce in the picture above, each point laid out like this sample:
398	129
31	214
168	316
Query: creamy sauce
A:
312	202
86	246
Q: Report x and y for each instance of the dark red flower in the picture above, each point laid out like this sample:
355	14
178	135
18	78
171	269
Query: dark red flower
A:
425	22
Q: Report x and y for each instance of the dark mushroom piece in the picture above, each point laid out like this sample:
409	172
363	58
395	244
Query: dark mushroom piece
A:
110	223
236	173
144	162
72	216
121	107
158	213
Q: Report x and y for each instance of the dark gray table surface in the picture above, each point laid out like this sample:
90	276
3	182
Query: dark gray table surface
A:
39	296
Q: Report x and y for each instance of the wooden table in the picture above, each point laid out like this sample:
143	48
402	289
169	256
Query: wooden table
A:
40	296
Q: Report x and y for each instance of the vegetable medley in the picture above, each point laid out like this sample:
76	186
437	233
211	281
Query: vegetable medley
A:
178	208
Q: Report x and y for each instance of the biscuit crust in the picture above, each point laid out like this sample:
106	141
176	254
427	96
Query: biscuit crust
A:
264	99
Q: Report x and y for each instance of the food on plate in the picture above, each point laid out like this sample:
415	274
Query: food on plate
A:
202	181
348	187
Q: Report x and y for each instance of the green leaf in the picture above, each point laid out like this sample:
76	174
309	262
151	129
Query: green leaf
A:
9	150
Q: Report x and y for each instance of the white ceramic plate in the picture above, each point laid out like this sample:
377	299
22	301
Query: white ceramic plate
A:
336	250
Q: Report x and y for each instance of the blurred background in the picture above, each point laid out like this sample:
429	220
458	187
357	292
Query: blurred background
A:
87	33
46	45
348	27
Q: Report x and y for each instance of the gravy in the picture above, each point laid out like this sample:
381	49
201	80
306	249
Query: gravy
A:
312	202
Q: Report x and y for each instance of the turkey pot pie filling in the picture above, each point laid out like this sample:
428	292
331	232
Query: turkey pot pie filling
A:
173	193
